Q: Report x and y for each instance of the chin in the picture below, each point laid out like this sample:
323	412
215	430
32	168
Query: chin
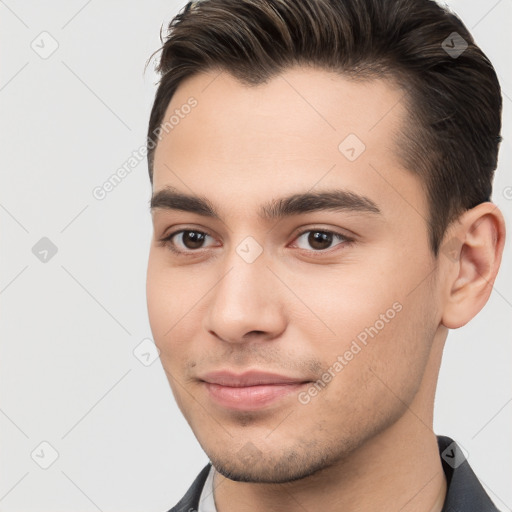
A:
249	466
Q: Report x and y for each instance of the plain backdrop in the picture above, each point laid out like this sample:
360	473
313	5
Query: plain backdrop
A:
74	104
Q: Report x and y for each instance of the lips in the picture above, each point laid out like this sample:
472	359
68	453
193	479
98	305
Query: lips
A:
251	390
249	378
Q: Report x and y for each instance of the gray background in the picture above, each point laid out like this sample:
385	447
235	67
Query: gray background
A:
69	325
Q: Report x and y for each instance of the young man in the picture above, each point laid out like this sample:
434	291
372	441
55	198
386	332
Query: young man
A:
321	175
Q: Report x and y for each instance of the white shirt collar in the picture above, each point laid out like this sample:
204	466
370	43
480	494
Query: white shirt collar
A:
206	501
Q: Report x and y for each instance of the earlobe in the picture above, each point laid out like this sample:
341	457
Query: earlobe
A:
472	253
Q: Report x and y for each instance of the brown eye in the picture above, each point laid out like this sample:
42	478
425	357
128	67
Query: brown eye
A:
318	240
193	239
186	241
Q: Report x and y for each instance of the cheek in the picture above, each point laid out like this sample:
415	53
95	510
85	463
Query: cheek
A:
344	302
159	298
168	301
381	328
176	304
369	383
396	356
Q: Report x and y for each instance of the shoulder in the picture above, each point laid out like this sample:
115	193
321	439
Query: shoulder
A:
464	492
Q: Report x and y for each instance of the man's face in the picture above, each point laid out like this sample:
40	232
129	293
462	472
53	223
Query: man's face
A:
342	297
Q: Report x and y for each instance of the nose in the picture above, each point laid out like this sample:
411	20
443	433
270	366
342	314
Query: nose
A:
246	303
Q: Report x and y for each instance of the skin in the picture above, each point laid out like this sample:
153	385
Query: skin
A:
365	442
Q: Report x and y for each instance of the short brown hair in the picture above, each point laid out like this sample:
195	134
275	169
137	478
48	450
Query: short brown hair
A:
454	100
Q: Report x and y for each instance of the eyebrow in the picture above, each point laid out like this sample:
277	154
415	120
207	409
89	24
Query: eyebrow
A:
170	198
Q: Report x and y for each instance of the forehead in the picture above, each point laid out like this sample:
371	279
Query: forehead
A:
304	126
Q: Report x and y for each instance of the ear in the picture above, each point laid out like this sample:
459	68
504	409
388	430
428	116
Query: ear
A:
472	249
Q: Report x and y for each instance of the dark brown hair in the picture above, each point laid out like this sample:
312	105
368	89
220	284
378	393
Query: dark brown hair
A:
452	93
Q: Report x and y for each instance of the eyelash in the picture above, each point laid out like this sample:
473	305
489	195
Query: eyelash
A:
167	241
